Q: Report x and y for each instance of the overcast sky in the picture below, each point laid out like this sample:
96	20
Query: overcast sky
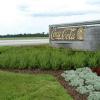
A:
32	16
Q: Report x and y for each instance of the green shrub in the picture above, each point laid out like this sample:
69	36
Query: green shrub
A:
66	62
44	61
78	60
46	57
55	60
93	61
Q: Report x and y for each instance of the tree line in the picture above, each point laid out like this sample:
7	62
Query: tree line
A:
25	35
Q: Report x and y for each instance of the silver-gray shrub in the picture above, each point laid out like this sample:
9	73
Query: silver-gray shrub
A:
77	82
82	90
94	96
85	82
97	86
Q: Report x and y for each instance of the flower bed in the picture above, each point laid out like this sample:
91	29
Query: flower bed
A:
84	81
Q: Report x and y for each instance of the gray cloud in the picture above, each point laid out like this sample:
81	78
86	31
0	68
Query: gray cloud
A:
57	14
60	14
63	13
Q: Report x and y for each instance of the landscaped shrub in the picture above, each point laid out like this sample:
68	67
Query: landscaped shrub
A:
84	81
85	89
4	61
43	60
66	62
93	61
76	82
89	88
97	86
82	90
55	60
79	60
34	63
94	96
46	57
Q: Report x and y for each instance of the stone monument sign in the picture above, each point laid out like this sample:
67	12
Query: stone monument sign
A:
84	35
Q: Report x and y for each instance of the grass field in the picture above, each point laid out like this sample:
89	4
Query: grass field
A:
14	86
21	38
46	57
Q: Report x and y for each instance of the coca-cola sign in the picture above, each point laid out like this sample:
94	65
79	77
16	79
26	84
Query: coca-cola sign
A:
67	33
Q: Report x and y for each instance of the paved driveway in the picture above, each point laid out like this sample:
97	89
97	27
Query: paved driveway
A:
23	42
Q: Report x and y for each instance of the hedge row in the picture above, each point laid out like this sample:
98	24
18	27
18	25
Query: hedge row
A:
46	57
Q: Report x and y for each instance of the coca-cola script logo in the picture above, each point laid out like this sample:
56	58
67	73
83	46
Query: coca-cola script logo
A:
68	33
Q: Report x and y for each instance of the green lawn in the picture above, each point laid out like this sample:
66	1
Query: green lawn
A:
15	86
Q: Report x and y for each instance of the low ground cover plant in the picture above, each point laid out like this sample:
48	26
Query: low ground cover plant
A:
84	81
46	57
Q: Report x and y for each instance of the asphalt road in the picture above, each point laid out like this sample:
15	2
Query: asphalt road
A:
23	42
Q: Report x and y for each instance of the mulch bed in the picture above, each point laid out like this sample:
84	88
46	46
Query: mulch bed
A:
71	90
96	70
